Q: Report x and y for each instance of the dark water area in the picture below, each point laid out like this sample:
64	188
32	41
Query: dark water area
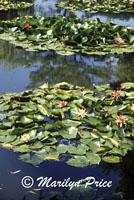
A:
21	70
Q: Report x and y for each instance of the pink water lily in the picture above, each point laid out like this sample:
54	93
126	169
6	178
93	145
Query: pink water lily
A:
121	120
117	94
62	104
25	137
119	41
26	26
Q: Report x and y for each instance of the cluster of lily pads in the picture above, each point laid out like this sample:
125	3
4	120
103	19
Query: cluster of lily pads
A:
69	122
67	35
94	6
13	4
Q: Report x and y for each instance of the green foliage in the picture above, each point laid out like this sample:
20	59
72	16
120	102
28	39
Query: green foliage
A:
94	126
94	6
13	4
67	36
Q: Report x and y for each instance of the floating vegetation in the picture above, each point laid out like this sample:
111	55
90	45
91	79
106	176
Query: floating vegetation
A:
67	36
13	4
94	6
79	192
52	122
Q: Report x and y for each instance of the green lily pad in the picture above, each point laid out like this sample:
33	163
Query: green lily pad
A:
79	150
61	148
111	159
22	148
78	161
10	4
26	120
93	158
43	110
7	139
100	40
26	125
95	6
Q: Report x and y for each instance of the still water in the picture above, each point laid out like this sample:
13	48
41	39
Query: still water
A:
21	70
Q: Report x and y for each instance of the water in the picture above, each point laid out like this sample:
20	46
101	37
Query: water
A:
21	70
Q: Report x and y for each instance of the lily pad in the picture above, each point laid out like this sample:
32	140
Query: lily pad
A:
78	161
67	36
11	4
94	6
111	159
29	125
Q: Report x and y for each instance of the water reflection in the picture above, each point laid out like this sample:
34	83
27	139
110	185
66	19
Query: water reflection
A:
21	69
126	167
47	8
37	68
120	174
57	170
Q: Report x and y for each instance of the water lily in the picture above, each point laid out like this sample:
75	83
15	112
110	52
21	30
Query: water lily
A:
117	94
26	26
81	113
25	137
119	41
132	107
121	120
62	104
67	37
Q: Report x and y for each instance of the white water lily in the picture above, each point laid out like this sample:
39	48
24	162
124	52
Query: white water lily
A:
49	32
81	113
109	127
25	137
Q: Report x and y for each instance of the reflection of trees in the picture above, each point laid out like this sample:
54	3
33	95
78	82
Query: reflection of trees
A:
77	69
11	57
125	68
126	170
49	67
108	16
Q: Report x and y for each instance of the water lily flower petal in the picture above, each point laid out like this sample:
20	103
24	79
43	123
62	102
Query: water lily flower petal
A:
26	26
119	41
25	137
62	104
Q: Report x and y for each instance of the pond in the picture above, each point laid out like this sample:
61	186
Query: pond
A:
21	70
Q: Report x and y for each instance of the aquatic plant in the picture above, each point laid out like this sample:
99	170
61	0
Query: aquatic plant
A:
90	127
67	36
94	6
13	4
